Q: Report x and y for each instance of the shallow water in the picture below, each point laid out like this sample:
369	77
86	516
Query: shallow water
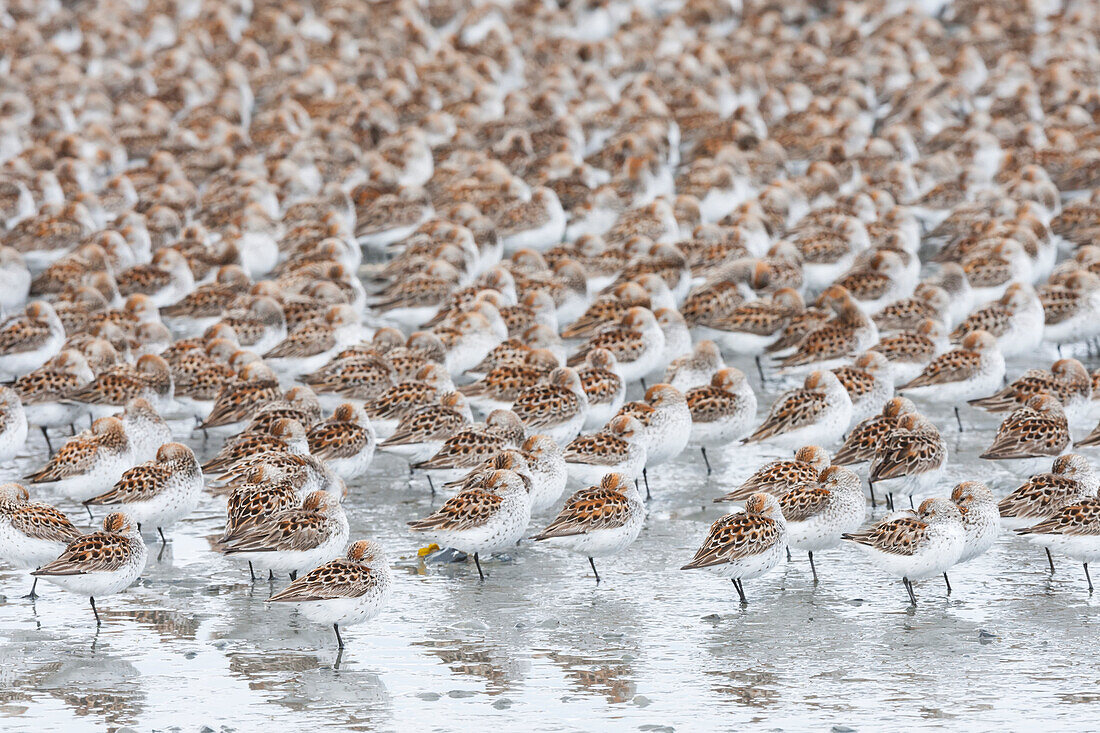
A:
192	644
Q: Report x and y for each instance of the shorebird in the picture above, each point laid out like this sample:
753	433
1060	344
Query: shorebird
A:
744	545
349	590
101	563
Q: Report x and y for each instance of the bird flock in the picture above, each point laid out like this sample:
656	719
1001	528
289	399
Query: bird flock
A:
290	236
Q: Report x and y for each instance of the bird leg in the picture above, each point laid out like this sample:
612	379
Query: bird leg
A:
740	591
909	587
1050	559
813	568
1088	577
645	477
163	541
947	583
477	561
251	572
593	564
958	419
32	595
46	435
339	641
95	612
704	451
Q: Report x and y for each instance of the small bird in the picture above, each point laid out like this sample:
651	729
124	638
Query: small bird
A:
387	410
972	370
556	408
722	412
294	539
603	386
43	391
423	432
166	280
745	545
909	352
864	438
1070	479
1015	320
981	519
909	460
345	591
827	346
869	381
31	533
346	441
30	340
101	563
285	436
619	448
695	369
489	518
916	547
547	469
1037	429
666	422
817	413
145	428
467	448
312	344
1073	530
256	385
89	463
637	343
160	492
149	379
500	387
778	477
1068	380
819	514
598	521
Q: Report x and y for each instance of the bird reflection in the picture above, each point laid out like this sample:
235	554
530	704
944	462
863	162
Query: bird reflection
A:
614	679
500	669
751	687
96	686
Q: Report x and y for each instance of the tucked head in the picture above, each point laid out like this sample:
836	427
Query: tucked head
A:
320	501
1071	464
897	406
815	455
938	508
660	395
821	380
366	552
174	452
764	505
979	341
13	492
969	493
1045	403
118	523
625	427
